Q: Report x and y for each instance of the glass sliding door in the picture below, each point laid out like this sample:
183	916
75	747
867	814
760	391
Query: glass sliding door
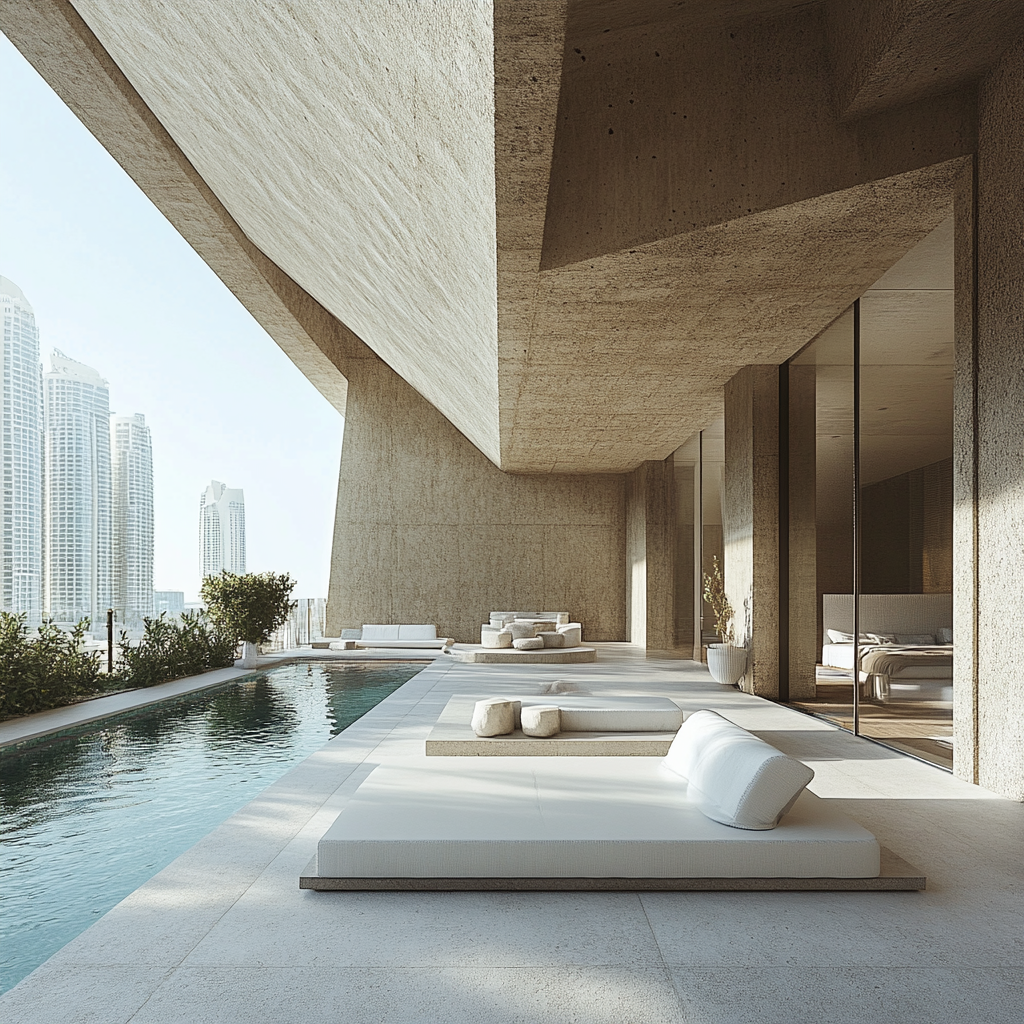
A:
819	420
906	503
866	471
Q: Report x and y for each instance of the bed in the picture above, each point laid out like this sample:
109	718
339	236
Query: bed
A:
903	653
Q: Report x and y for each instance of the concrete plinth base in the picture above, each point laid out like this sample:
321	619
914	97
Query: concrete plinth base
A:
896	876
476	655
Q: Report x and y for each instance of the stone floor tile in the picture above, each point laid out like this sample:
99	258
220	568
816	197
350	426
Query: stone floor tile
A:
503	995
875	995
823	930
429	929
52	994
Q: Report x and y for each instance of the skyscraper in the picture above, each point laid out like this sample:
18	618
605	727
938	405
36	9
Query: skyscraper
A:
221	529
21	424
132	501
76	492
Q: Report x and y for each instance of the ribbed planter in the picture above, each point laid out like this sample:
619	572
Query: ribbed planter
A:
250	652
726	663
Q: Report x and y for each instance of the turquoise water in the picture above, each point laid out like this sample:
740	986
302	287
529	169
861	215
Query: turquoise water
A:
87	818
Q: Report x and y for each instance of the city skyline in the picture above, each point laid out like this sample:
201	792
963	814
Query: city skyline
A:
132	507
21	426
221	530
77	552
221	399
76	520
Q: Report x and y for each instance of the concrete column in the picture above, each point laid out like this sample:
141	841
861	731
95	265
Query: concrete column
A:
650	555
804	628
988	458
750	520
429	530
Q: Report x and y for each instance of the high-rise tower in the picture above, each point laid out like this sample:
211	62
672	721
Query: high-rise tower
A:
132	502
76	492
21	424
221	529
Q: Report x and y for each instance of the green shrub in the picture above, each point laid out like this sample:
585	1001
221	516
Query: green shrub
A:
173	650
248	608
43	671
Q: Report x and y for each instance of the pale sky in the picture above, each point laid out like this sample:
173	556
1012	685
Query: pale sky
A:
113	285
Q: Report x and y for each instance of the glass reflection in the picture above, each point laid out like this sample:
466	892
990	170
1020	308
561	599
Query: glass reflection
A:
906	502
821	490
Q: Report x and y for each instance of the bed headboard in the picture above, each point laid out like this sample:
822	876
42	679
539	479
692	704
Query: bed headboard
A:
889	613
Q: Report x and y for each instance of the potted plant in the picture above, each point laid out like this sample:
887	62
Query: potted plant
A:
726	661
248	608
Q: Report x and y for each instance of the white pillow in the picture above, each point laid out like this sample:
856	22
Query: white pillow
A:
378	632
944	635
837	636
417	632
733	777
573	634
915	638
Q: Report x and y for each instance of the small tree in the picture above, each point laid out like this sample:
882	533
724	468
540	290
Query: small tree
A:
248	608
714	594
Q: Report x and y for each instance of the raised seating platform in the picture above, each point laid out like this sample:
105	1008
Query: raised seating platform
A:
479	655
570	824
453	735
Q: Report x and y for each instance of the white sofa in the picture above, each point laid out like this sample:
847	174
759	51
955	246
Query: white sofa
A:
600	823
402	637
567	634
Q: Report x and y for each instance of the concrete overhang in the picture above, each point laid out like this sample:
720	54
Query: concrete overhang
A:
566	223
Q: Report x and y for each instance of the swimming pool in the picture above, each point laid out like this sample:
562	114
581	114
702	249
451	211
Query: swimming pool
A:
87	818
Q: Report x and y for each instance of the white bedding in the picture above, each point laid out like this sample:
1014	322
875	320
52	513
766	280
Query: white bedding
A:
571	818
941	667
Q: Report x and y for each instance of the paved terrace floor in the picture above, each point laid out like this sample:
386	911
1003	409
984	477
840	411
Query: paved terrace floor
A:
224	934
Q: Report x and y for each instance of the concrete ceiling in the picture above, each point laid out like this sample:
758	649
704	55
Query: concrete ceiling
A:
567	257
906	377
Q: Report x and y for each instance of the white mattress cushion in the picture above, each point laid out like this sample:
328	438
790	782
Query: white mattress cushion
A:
379	632
618	717
571	817
734	777
423	632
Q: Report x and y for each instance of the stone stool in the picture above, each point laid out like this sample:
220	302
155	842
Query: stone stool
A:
494	716
541	720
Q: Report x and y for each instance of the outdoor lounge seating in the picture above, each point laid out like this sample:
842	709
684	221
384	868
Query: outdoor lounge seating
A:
589	727
622	823
399	637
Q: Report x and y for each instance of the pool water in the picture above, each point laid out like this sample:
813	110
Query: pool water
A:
87	818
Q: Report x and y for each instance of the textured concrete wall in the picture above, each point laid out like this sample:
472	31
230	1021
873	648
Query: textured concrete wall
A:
428	530
650	555
750	520
999	360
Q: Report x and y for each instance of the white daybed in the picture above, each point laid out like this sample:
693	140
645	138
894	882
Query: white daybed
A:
594	823
401	637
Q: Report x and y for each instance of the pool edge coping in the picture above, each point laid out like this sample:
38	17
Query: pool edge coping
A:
41	724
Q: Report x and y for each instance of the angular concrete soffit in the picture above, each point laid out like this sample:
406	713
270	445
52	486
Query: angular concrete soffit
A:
529	45
62	48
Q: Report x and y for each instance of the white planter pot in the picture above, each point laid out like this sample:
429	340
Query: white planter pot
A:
250	652
727	663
